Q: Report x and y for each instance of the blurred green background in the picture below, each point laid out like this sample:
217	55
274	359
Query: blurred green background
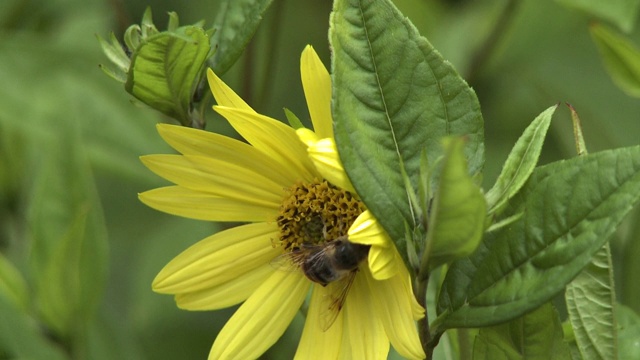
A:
79	251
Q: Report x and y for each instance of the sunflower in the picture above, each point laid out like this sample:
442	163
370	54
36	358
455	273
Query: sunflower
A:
290	188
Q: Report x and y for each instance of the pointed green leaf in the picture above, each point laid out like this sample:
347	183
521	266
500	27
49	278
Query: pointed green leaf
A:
235	24
147	26
537	335
165	70
622	13
570	208
590	298
114	52
628	332
174	21
69	249
581	145
458	211
521	161
133	37
393	97
621	59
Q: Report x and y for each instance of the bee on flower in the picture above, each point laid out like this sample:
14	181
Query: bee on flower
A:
307	231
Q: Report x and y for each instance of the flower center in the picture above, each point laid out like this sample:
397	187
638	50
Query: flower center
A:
316	212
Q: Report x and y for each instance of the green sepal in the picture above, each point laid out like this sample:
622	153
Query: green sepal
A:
162	69
293	120
165	71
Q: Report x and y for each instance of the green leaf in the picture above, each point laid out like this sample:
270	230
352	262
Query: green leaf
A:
21	338
117	56
235	24
622	13
394	97
458	211
521	161
621	59
628	332
13	286
537	335
570	208
590	298
165	71
293	120
578	136
69	251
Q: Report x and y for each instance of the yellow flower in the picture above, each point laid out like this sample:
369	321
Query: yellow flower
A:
292	190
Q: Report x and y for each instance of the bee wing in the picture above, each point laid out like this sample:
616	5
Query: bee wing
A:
333	301
291	261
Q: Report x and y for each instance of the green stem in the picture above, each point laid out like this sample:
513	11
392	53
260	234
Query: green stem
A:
423	324
489	45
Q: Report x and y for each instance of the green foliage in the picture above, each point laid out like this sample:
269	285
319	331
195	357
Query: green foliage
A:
520	163
165	67
622	13
69	238
620	57
20	337
13	287
235	24
457	213
165	71
537	335
388	108
590	303
628	332
565	221
69	142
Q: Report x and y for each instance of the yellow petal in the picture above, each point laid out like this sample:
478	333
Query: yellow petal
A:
224	295
307	136
363	329
316	82
393	302
325	157
315	343
189	141
198	205
272	137
263	318
219	258
383	262
367	230
223	94
217	177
